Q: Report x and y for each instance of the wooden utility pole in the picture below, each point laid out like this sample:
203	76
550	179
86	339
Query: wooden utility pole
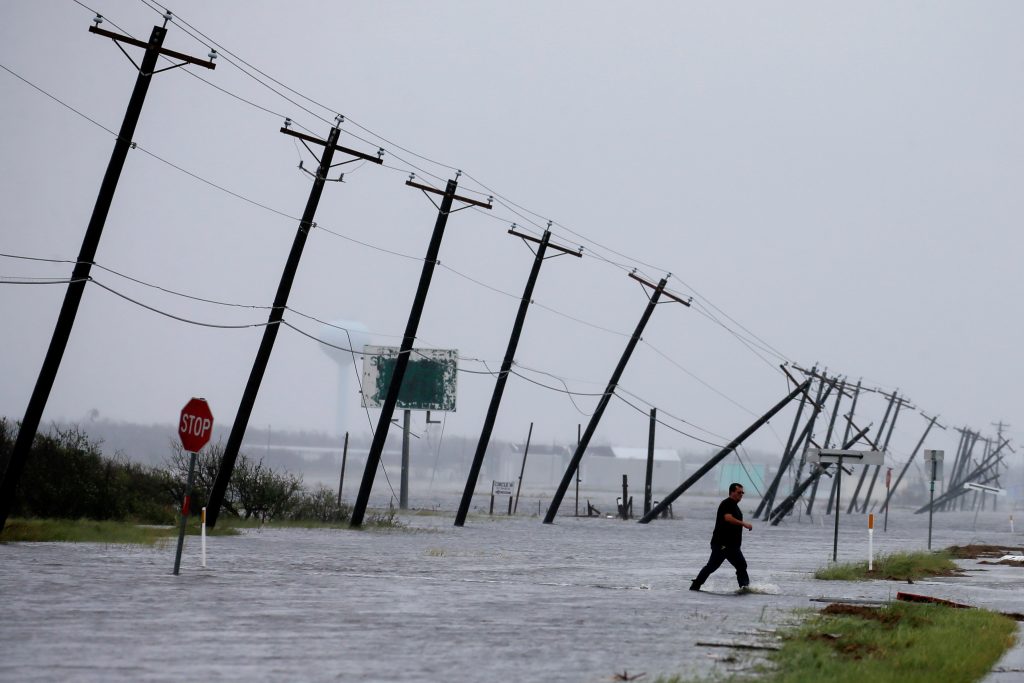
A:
506	364
86	255
284	287
606	397
448	197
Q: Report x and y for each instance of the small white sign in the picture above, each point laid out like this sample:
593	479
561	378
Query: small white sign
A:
933	464
502	488
848	457
971	486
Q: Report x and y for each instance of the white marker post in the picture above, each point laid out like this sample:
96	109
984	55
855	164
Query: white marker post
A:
836	456
871	542
204	536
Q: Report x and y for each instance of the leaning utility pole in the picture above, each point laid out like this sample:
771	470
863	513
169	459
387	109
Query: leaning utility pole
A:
769	495
828	439
609	391
718	457
864	472
402	361
932	422
83	265
506	365
259	366
900	402
846	435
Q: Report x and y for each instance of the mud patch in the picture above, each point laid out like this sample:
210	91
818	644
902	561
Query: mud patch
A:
887	617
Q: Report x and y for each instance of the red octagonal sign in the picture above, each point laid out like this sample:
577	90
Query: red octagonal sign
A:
196	425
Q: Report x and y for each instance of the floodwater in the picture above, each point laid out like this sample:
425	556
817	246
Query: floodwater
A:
499	599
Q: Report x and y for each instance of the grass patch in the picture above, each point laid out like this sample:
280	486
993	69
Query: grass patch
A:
897	567
93	531
901	642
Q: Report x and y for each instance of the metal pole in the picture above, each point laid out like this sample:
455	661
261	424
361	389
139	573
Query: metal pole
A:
625	496
259	365
839	492
403	492
522	469
931	506
185	504
79	276
402	362
707	467
344	456
499	385
577	472
606	397
650	461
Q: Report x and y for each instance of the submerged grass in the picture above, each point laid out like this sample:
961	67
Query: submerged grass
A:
907	566
899	642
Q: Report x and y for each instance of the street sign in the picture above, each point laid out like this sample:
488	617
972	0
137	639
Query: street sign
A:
502	488
969	486
933	461
196	425
430	380
850	457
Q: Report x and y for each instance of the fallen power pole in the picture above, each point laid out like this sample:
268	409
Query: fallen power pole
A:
87	253
733	445
259	366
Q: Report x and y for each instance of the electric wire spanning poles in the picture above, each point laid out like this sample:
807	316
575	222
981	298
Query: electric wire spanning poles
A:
506	365
83	266
932	422
709	465
609	391
259	366
402	361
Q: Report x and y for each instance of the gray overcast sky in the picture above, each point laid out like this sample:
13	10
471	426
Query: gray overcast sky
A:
840	179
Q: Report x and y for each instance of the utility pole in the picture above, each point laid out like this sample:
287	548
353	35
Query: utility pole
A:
609	391
718	457
828	438
87	253
259	366
864	471
650	461
769	494
387	410
506	365
932	422
522	468
900	402
846	435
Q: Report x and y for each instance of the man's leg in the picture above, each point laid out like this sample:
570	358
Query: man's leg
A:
736	559
718	555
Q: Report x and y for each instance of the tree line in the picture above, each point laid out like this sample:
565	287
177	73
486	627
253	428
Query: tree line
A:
68	477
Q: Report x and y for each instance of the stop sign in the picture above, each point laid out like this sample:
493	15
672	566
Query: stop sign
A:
196	425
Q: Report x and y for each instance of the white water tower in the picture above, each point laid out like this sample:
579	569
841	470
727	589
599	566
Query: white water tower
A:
343	342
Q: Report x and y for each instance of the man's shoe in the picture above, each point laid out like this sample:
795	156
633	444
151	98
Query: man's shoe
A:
694	586
744	589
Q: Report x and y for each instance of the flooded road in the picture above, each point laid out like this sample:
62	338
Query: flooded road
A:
499	599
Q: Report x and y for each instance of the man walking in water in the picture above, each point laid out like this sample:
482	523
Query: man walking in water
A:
726	539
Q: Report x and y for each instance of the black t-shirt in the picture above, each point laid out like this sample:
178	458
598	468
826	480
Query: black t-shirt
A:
725	533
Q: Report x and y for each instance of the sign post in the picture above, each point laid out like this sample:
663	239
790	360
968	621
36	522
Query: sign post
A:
935	458
194	428
832	455
502	488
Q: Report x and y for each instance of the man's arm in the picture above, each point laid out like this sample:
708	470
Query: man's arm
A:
732	520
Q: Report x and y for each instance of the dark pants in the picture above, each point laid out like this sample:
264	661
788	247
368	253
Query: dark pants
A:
719	554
